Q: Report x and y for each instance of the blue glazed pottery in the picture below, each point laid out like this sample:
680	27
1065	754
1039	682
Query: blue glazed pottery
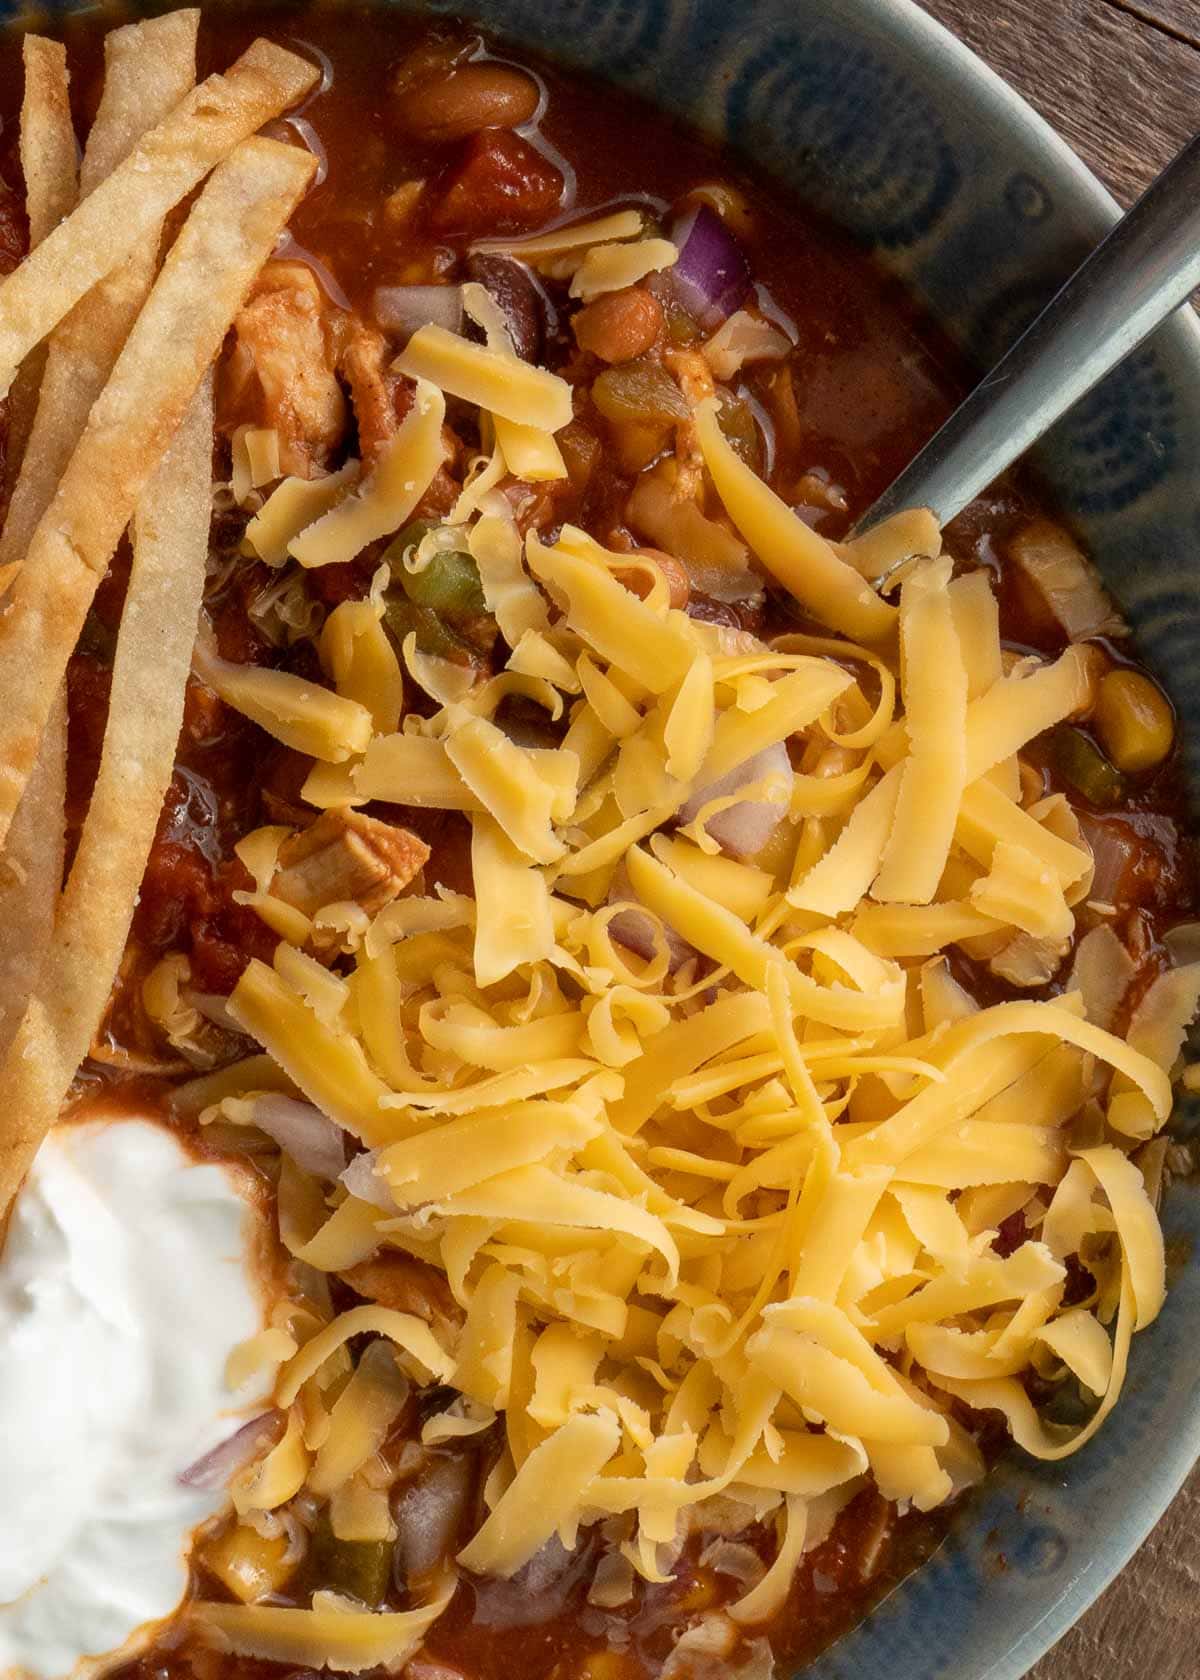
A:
876	116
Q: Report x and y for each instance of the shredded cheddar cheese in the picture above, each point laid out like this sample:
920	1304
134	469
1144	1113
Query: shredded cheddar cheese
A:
512	389
707	1143
387	497
607	268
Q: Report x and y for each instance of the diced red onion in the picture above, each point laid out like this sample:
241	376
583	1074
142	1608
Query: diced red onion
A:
406	309
703	1650
745	828
214	1008
638	931
735	1559
362	1180
711	276
216	1469
1183	942
1114	850
308	1136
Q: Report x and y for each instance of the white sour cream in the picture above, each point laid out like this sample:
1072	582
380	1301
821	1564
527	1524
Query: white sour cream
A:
127	1278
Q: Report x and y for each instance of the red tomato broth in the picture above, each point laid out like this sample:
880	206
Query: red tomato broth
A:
877	380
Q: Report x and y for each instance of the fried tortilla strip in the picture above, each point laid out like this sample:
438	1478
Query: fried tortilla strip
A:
49	165
31	872
123	211
48	151
149	67
150	671
207	273
31	869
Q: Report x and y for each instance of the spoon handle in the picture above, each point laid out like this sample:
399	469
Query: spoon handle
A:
1143	270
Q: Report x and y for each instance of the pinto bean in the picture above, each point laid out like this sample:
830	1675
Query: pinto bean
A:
470	97
619	326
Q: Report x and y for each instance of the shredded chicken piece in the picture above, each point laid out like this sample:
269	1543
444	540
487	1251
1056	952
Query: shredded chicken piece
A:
346	856
280	371
696	381
380	397
1063	581
1029	961
406	1285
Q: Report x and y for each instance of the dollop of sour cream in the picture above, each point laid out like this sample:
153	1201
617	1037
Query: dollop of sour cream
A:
127	1278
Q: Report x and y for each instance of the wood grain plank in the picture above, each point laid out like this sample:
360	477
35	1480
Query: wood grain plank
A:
1123	93
1147	1625
1120	79
1177	17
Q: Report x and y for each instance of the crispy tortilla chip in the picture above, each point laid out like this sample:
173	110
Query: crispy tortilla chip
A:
206	275
48	152
31	872
31	868
149	67
153	657
49	165
123	211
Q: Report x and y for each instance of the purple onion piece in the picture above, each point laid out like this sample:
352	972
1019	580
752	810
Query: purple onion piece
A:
745	828
711	276
404	310
362	1180
216	1469
308	1136
638	931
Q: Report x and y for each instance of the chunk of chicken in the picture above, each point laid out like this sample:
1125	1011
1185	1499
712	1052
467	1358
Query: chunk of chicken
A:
696	381
380	397
343	857
280	371
405	1284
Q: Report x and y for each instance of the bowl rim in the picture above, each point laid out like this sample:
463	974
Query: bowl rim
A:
930	39
952	60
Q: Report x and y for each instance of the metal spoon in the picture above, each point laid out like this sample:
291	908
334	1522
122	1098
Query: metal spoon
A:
1146	267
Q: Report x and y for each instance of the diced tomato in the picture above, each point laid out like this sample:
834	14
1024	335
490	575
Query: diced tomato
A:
217	963
176	888
500	184
205	715
343	581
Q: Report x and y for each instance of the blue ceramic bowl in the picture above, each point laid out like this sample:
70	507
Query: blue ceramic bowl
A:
878	117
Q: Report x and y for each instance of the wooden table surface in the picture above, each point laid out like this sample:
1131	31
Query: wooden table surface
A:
1120	80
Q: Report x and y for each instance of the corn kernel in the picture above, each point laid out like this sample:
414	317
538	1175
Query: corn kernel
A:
1133	720
605	1665
249	1565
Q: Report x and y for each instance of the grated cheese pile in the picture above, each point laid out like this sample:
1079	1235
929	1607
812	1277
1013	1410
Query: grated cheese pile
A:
712	1149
